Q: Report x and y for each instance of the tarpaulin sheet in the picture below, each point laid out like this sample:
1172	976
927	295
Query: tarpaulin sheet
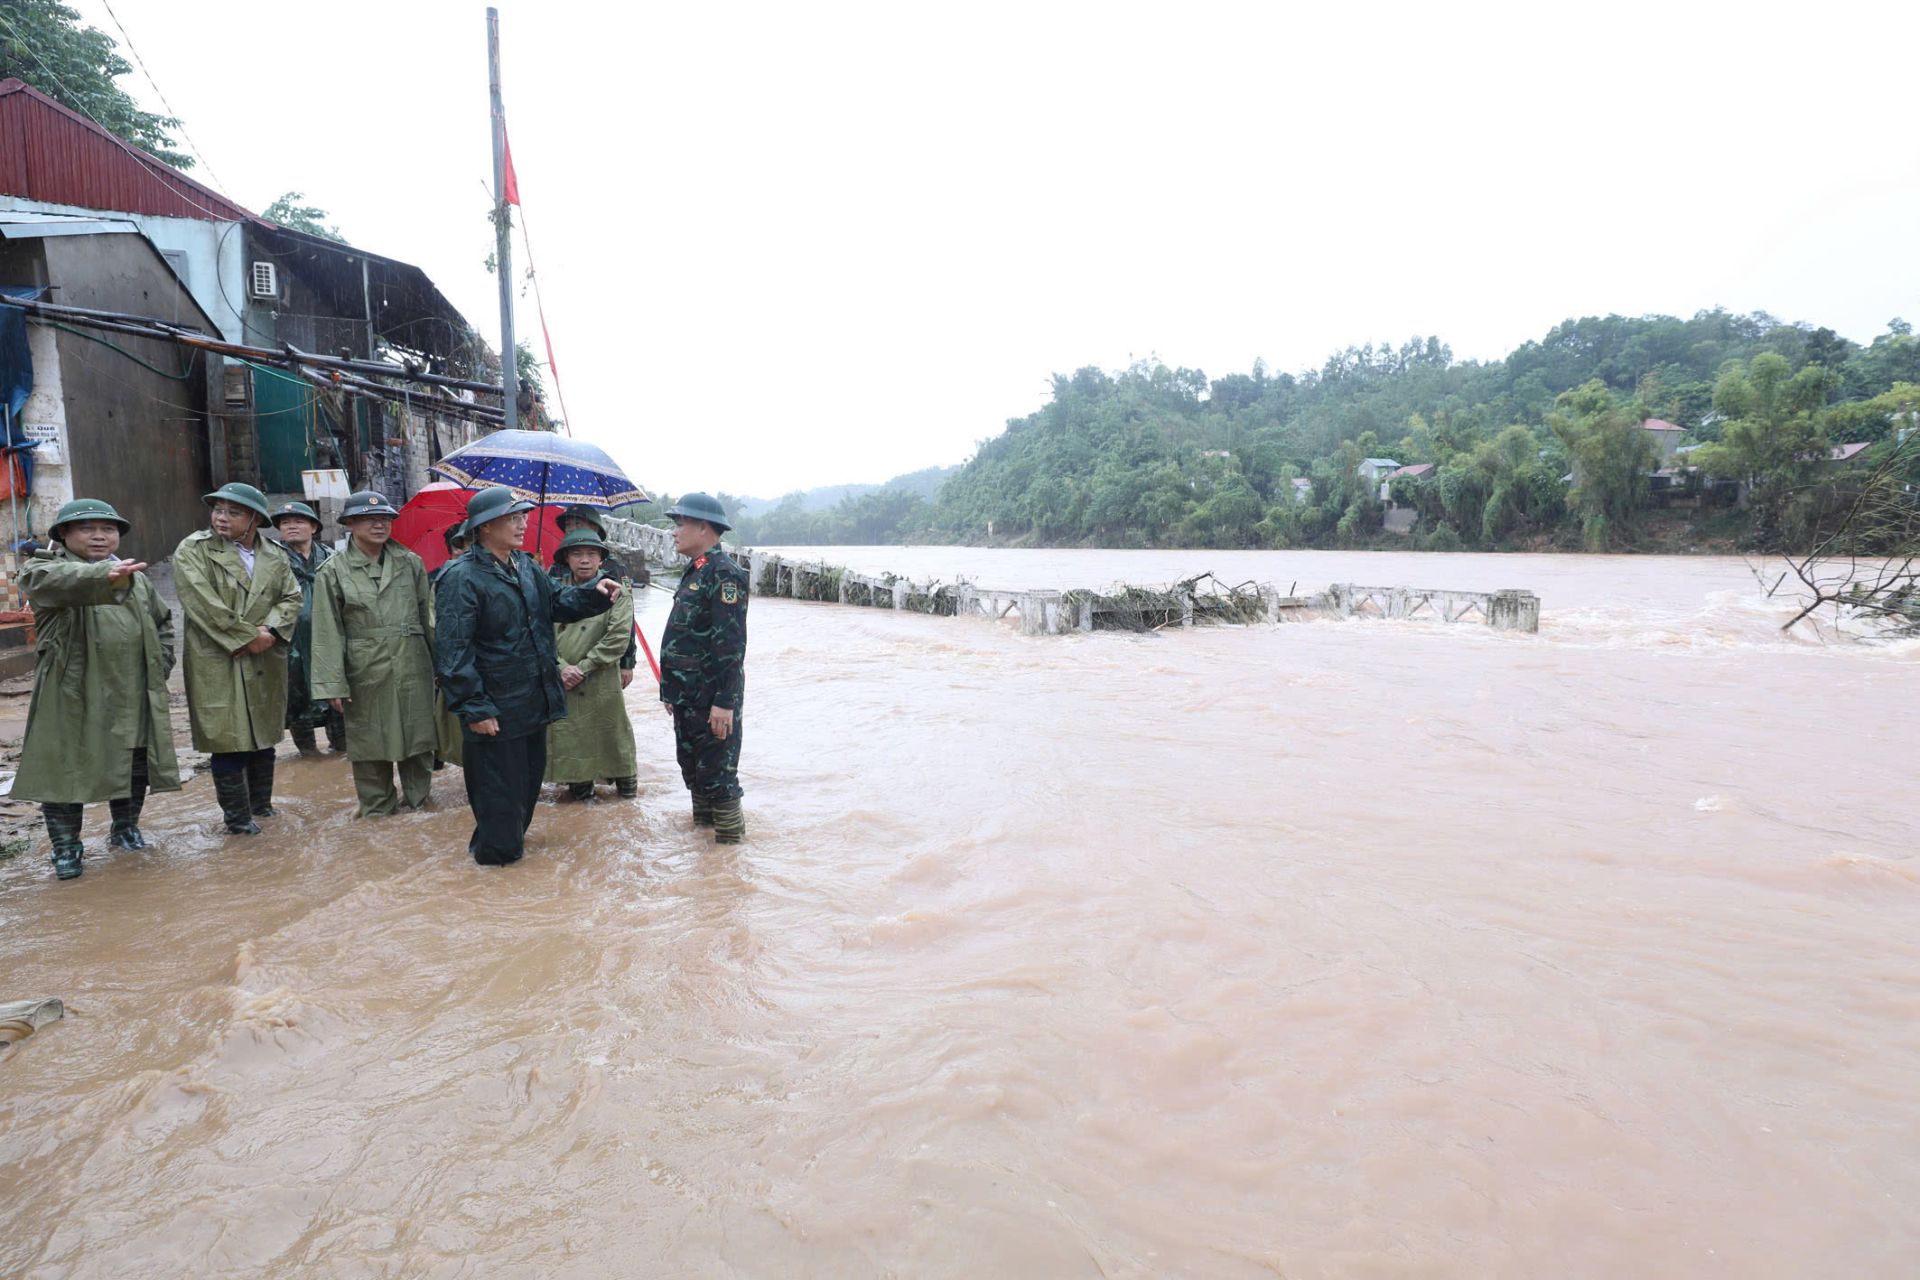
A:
16	376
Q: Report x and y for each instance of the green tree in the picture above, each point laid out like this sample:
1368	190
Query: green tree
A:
290	213
43	43
1773	439
1611	457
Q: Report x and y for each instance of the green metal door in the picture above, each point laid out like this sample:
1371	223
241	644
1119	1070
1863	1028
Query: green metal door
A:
286	413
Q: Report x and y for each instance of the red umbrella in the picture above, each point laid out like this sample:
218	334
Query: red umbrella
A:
424	521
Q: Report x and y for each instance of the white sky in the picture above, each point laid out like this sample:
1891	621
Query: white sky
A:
794	245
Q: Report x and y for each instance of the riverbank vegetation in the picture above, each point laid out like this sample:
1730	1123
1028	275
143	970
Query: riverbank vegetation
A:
1546	449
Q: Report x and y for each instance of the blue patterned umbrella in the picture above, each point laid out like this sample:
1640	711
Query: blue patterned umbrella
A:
540	466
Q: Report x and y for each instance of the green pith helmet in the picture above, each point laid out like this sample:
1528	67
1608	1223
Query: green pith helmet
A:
699	506
581	511
86	509
292	509
580	538
490	504
244	495
366	503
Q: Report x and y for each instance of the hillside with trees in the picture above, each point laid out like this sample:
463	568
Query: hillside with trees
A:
1544	449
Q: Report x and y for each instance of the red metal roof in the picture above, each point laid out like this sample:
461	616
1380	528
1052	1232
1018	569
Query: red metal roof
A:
58	156
1660	424
1413	469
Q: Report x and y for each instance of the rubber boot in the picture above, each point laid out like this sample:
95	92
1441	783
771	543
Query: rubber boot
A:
580	790
729	824
336	730
63	828
303	739
126	813
627	788
260	784
126	829
231	790
702	812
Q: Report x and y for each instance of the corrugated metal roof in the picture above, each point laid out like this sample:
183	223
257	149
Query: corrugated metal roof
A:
1659	424
50	153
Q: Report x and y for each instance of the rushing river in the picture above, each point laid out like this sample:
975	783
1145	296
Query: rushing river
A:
1322	950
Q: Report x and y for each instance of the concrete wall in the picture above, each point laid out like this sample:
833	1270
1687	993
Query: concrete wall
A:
132	436
214	254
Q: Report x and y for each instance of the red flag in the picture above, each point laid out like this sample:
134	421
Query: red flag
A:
512	194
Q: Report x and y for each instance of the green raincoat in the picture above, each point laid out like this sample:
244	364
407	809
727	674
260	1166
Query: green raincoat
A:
304	711
99	683
373	643
596	738
235	704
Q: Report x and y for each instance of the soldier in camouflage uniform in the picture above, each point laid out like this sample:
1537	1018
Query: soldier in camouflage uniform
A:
703	658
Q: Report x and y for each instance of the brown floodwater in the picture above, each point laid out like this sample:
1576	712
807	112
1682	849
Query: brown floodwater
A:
1321	950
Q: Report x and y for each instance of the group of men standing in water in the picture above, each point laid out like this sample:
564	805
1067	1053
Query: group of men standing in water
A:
513	672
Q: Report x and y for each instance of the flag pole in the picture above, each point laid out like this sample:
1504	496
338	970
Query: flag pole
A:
503	230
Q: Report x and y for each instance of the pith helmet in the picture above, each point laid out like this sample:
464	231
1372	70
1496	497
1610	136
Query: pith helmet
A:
302	510
490	504
581	511
700	506
577	538
86	509
366	503
454	533
244	495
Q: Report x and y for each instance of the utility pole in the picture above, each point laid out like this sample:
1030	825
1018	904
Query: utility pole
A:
502	230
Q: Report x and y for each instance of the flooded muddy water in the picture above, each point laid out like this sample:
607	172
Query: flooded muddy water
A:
1321	950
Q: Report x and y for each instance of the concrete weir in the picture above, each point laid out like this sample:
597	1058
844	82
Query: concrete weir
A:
1200	601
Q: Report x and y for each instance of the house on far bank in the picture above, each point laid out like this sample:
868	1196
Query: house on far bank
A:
1412	471
1371	469
1400	519
1666	437
1848	452
1302	491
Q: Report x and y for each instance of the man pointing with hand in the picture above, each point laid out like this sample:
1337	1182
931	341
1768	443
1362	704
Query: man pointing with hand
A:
494	615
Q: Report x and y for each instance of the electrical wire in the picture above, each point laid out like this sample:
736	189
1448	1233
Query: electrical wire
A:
182	376
178	120
154	166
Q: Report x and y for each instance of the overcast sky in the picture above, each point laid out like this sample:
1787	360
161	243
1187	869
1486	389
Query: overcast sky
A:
796	245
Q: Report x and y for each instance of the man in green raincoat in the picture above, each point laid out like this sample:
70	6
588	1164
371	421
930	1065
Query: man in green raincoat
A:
98	727
241	602
596	738
446	724
373	656
298	527
582	516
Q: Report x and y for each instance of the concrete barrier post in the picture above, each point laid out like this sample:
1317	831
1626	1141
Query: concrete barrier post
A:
1512	610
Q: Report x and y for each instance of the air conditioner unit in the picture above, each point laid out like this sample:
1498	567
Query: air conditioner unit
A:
264	282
